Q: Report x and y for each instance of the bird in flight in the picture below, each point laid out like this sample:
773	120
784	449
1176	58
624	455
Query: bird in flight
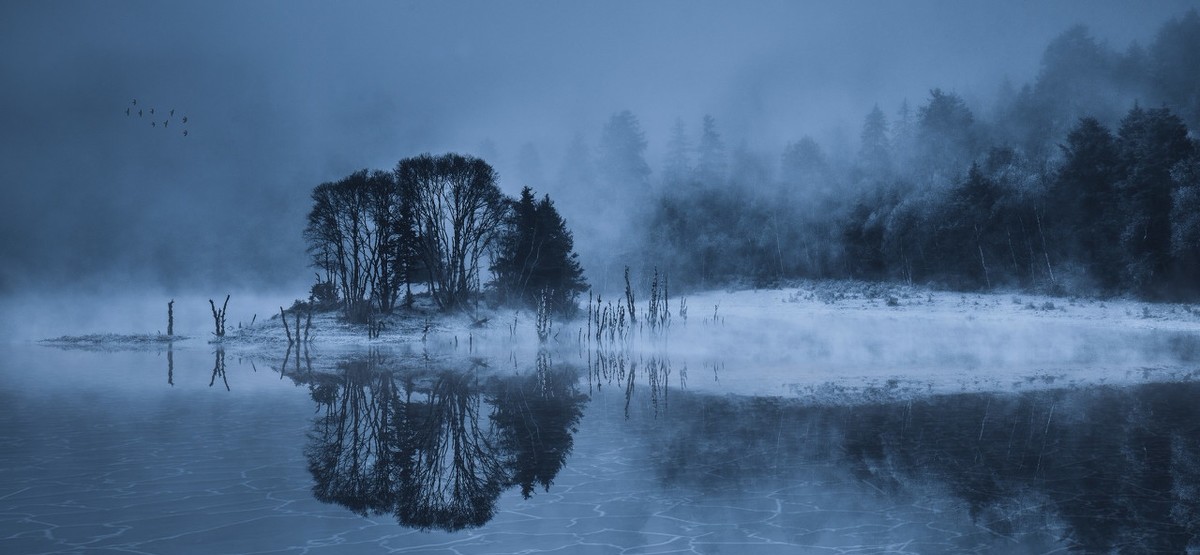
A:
166	123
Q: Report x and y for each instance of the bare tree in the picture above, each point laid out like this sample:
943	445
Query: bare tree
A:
457	210
354	233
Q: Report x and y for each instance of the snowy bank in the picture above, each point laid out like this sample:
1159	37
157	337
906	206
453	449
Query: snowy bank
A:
819	340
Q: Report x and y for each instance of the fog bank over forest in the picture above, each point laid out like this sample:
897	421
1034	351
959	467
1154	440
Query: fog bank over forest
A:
284	96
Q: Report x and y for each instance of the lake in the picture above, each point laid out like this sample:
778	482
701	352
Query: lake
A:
195	450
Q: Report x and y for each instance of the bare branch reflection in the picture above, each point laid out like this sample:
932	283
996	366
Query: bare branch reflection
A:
437	446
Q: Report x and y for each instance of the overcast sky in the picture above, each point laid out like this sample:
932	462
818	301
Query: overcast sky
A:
282	96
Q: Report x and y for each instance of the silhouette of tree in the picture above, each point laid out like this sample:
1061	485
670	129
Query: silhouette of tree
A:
538	415
874	153
536	255
804	165
622	150
904	134
946	135
416	442
1150	144
1114	467
451	469
351	457
1185	222
677	165
966	229
1174	55
1083	198
710	153
1078	79
354	234
457	213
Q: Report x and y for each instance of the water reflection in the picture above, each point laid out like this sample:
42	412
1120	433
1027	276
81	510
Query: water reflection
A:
296	368
1092	469
620	367
1107	468
436	446
218	368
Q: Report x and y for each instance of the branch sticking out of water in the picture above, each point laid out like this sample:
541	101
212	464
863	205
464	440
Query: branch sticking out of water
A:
219	316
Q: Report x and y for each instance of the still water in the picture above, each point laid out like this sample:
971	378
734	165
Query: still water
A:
196	451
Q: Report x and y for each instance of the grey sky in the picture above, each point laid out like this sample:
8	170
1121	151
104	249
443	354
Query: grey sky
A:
284	95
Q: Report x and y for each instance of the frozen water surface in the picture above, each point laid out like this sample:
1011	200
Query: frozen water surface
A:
349	451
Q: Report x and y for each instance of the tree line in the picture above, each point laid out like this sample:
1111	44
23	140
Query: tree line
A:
1084	180
436	222
1116	214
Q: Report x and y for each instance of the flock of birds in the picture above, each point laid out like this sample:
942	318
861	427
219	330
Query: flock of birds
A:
141	112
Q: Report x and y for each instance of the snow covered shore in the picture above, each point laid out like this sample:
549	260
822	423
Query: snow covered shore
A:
823	339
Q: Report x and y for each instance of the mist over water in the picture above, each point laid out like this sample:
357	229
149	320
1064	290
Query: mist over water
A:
807	181
45	315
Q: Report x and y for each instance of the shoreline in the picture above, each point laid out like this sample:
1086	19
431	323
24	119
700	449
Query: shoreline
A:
828	342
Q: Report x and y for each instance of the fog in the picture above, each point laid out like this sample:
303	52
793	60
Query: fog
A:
282	96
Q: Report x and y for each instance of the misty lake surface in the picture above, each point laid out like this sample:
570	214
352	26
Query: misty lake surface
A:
203	451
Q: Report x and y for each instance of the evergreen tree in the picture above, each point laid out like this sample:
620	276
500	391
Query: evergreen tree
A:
946	135
536	256
804	166
875	153
1078	75
903	134
577	165
677	164
1150	144
1174	57
967	229
710	153
1086	215
622	152
1185	222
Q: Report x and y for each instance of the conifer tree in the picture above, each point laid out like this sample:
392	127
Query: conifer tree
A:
536	256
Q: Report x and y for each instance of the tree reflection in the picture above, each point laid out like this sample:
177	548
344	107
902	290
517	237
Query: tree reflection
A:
451	470
436	447
538	416
1110	469
350	457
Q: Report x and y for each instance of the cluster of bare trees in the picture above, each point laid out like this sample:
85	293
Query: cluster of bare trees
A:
375	233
